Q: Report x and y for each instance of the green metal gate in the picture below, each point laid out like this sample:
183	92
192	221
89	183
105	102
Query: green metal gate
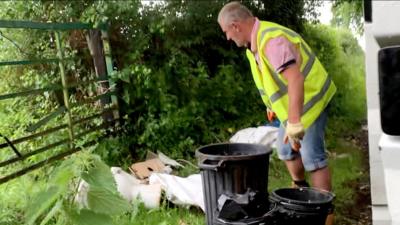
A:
15	162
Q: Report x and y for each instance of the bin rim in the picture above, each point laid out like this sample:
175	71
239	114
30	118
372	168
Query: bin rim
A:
199	154
331	196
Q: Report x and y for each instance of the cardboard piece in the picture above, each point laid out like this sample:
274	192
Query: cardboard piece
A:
168	161
143	169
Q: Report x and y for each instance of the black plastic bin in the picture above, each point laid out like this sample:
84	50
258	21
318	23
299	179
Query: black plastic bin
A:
301	206
237	171
267	218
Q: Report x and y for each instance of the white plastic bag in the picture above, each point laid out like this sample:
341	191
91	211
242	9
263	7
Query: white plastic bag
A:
264	135
181	191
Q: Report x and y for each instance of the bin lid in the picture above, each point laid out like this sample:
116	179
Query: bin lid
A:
233	151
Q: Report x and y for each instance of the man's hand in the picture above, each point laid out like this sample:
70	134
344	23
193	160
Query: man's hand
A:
294	133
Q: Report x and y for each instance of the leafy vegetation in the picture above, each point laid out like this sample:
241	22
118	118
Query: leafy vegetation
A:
180	85
335	48
348	14
56	198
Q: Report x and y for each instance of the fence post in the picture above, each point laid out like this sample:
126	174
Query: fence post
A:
110	69
65	88
96	50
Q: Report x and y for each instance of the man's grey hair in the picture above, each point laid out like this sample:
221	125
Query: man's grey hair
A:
234	11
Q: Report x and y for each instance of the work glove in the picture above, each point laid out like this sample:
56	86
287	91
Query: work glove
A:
271	116
294	134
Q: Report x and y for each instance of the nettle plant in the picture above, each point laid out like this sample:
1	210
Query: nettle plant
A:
55	203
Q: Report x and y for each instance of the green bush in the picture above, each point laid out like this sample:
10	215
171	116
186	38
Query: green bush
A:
180	83
343	59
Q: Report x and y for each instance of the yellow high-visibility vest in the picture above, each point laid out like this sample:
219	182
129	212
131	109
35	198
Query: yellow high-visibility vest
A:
318	86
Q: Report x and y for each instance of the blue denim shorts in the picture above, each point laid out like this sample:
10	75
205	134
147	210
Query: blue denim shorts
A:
312	149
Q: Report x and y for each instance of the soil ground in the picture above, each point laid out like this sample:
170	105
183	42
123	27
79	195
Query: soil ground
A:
360	212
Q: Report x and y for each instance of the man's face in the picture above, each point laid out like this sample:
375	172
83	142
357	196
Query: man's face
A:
233	32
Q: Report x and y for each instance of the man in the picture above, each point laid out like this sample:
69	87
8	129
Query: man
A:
293	84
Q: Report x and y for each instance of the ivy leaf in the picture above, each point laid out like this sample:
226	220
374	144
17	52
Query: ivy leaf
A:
42	201
104	201
88	217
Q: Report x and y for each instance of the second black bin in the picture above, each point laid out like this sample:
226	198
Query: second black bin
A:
301	206
235	181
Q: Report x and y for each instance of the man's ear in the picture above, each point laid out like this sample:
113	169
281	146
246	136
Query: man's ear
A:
235	26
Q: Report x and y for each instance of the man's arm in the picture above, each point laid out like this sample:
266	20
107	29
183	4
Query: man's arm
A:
286	59
295	92
294	127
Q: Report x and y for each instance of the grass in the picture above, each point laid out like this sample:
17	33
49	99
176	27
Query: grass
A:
278	176
346	165
345	162
348	168
165	215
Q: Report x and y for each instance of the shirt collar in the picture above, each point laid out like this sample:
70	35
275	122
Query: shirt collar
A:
253	44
